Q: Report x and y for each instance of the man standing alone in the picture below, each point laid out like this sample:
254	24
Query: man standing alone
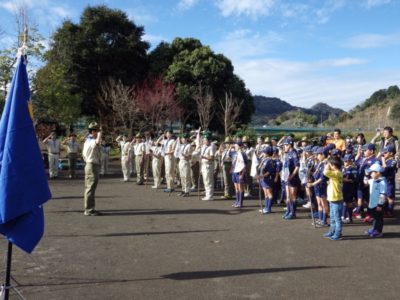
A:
91	156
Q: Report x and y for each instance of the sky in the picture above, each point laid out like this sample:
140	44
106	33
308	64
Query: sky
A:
304	52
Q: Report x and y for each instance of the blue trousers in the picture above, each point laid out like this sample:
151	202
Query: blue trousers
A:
336	208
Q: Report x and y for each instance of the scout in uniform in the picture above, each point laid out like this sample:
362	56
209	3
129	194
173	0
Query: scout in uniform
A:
185	155
72	150
53	148
156	162
125	145
169	159
91	156
389	164
266	176
207	156
226	165
140	152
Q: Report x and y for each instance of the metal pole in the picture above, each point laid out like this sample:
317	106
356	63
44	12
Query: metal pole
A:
8	272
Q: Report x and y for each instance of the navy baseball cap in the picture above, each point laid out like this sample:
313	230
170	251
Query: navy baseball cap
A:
389	148
320	150
275	149
308	148
369	146
288	141
348	157
336	152
268	150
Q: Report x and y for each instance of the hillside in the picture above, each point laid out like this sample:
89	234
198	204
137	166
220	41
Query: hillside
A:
380	110
275	111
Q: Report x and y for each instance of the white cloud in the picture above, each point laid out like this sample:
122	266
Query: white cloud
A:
343	62
42	12
244	43
154	39
252	8
141	16
324	13
306	83
374	3
372	40
186	4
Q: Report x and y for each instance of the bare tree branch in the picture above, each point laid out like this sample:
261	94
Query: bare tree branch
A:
230	111
115	96
204	100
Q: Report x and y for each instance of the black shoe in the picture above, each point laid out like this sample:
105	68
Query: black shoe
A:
185	195
181	194
92	213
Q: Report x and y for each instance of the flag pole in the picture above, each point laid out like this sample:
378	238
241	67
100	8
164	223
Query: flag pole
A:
8	272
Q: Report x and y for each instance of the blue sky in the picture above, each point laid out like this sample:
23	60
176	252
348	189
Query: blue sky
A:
337	52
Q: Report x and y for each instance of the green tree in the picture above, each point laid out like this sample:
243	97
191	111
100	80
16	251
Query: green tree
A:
104	44
187	63
393	91
53	98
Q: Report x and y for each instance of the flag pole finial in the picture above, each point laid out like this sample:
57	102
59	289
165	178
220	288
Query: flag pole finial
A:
23	49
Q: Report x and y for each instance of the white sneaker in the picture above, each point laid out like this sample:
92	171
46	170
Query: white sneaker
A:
153	187
246	195
207	199
307	205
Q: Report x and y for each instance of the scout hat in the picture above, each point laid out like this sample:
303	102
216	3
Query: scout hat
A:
93	126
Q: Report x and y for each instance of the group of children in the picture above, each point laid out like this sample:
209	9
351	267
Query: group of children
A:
340	178
338	183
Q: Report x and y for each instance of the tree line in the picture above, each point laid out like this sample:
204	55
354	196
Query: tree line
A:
101	68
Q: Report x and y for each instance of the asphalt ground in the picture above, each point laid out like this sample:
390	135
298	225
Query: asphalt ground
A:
153	245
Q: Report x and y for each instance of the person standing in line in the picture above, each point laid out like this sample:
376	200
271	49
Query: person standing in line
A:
91	156
156	162
125	145
104	157
226	166
73	150
185	155
169	150
195	169
140	152
53	148
207	156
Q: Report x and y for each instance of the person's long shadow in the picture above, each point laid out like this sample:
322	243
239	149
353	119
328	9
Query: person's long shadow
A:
386	235
230	273
134	212
123	234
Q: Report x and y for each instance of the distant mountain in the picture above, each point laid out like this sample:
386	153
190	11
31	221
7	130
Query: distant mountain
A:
270	107
273	110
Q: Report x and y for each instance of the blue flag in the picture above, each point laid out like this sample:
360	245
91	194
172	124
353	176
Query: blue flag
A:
23	182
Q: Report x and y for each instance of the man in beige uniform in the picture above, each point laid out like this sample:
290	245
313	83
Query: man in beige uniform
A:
72	149
140	152
185	155
53	148
91	156
207	156
169	149
125	145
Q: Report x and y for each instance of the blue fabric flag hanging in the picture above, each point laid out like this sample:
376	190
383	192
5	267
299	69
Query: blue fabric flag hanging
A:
23	182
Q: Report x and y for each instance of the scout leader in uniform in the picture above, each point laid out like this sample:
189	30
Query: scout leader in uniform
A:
91	156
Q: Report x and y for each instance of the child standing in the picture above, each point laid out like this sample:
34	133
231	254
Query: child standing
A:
389	163
349	187
335	197
377	189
